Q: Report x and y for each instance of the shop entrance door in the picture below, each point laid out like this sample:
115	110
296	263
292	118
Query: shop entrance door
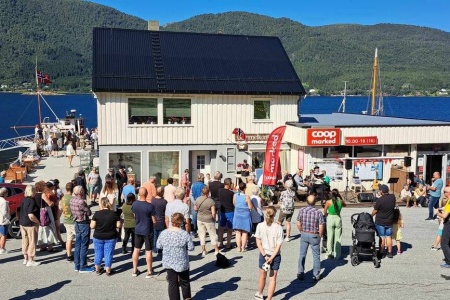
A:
433	164
201	163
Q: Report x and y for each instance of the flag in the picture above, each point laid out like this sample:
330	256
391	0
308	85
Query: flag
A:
272	164
42	77
240	133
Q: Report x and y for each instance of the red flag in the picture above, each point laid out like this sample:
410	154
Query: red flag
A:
272	156
240	133
47	79
39	76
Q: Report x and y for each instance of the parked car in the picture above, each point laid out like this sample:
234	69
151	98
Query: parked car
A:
15	197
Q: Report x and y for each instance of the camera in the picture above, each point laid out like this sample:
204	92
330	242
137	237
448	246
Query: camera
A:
266	267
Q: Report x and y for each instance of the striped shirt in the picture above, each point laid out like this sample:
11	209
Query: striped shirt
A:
310	218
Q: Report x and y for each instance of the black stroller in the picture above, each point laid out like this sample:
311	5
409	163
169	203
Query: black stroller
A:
363	239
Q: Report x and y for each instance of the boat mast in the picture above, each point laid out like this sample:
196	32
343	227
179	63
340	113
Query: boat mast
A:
38	93
345	98
374	82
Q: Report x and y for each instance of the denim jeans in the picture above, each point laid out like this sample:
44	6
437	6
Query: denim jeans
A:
156	234
194	221
445	242
306	240
434	201
82	235
104	249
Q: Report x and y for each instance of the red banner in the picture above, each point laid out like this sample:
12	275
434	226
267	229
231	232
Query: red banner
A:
271	159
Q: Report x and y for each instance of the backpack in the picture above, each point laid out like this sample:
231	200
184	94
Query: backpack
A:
364	221
79	181
287	202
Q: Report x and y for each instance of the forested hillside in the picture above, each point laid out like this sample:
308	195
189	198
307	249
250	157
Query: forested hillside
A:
59	34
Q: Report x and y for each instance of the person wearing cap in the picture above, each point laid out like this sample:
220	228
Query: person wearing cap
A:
384	219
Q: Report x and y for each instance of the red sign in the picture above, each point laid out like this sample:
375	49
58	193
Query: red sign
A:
272	159
361	140
323	137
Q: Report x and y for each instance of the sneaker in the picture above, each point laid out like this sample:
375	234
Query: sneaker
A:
87	270
287	239
24	262
203	253
445	265
69	258
316	279
4	251
149	275
399	252
389	255
32	263
135	273
259	296
429	219
300	276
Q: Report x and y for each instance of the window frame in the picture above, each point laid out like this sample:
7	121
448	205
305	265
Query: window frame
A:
269	119
155	119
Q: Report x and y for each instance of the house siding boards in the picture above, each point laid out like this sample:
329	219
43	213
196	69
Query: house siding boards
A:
213	118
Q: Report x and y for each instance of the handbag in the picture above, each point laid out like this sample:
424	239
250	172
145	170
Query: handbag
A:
44	218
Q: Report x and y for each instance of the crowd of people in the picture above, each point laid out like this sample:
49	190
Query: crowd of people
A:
167	218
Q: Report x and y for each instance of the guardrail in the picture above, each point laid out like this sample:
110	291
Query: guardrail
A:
20	141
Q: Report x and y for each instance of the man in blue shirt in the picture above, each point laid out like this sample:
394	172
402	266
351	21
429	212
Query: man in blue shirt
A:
435	191
196	191
129	188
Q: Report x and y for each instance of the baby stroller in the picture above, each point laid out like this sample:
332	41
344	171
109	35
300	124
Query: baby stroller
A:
363	239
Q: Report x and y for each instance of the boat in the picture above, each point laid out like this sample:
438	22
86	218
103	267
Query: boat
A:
344	100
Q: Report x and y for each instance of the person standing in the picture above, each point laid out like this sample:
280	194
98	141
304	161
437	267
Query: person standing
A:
169	190
196	191
29	224
145	215
435	191
444	213
206	209
242	219
384	219
81	212
129	222
160	205
68	220
269	238
5	219
176	243
70	152
287	199
332	211
93	181
310	223
106	226
185	182
151	188
122	179
127	189
214	187
178	206
226	196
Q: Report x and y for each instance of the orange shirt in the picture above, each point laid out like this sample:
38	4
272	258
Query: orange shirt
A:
151	190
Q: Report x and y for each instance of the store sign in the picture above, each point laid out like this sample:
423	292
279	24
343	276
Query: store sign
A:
251	137
323	137
361	140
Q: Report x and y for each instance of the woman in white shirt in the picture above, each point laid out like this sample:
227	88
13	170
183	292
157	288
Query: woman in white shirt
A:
269	237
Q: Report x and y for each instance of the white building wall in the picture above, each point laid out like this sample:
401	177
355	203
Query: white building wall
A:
213	119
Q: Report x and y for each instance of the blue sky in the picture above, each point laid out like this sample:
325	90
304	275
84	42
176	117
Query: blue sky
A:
429	13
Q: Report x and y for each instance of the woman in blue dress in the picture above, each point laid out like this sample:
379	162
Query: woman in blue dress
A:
242	220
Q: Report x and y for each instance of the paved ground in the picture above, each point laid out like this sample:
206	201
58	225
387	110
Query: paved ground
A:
415	274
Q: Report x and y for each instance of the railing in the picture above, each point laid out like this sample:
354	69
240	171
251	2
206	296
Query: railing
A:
17	142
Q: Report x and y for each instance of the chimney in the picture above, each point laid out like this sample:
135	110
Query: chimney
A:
153	25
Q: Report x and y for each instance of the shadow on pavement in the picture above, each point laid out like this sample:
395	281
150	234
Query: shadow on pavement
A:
215	289
42	292
209	268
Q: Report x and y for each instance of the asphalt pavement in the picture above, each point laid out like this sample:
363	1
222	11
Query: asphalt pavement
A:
415	274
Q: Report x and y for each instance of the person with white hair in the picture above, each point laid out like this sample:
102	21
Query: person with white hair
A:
2	176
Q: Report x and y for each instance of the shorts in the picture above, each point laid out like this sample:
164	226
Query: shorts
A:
4	230
226	219
70	231
384	231
283	216
439	232
93	189
140	240
275	263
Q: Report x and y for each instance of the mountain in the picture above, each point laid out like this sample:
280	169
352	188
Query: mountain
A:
59	34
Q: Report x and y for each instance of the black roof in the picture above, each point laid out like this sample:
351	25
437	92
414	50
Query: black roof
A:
179	62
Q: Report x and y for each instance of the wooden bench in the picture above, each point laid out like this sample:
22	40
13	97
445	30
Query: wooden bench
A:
16	173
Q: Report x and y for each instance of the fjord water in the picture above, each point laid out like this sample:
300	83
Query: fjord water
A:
18	110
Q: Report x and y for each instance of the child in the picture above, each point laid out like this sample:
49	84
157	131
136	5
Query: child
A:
437	241
396	229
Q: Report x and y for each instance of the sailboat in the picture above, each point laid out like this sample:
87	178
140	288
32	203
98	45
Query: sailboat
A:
344	100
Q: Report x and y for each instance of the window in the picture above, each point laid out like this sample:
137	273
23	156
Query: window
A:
200	162
142	111
163	165
261	110
231	163
177	111
130	160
